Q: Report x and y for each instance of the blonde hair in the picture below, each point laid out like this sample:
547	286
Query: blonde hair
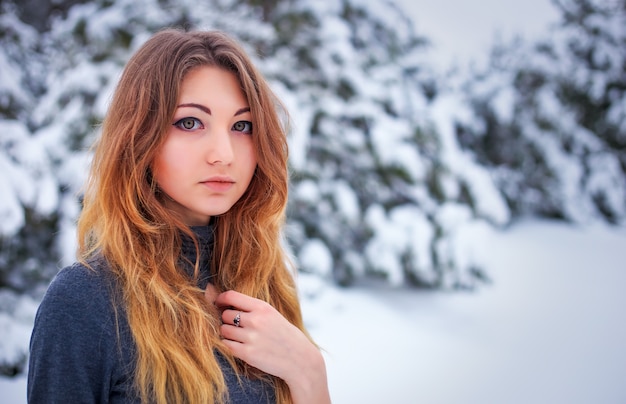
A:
176	331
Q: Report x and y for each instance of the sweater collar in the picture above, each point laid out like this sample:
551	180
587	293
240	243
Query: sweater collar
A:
205	237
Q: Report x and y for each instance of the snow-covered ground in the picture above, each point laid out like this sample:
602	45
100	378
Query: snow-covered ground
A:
549	329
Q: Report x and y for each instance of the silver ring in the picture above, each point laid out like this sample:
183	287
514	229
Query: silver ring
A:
237	320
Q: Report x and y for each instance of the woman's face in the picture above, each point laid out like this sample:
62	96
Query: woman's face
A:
208	159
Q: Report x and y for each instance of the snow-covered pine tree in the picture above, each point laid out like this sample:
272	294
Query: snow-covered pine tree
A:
550	117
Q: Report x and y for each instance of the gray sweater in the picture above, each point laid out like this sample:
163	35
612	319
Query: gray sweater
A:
80	352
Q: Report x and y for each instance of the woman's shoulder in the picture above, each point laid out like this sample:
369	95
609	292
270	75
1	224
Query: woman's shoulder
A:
82	280
80	292
94	270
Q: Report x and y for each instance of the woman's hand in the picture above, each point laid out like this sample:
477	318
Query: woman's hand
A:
259	335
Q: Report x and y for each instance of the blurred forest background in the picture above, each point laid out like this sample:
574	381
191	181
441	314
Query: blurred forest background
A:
394	164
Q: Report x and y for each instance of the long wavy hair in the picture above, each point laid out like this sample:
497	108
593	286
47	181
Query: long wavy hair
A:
124	218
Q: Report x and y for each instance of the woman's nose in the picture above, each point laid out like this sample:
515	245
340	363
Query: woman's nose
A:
220	148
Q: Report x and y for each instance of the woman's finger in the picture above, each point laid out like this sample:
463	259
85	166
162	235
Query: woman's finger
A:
233	317
235	299
232	333
236	348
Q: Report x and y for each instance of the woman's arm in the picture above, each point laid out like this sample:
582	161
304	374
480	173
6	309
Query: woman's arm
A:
263	338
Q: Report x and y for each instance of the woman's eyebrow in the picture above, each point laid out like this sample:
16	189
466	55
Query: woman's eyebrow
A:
194	105
242	111
208	110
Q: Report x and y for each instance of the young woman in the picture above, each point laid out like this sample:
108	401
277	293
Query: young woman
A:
182	293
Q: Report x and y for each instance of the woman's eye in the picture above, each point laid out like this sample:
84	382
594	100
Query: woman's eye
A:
188	124
243	126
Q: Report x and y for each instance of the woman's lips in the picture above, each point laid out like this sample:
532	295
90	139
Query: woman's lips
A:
219	184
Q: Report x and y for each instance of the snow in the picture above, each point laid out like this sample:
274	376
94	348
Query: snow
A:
346	200
11	217
16	316
315	257
548	329
488	201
